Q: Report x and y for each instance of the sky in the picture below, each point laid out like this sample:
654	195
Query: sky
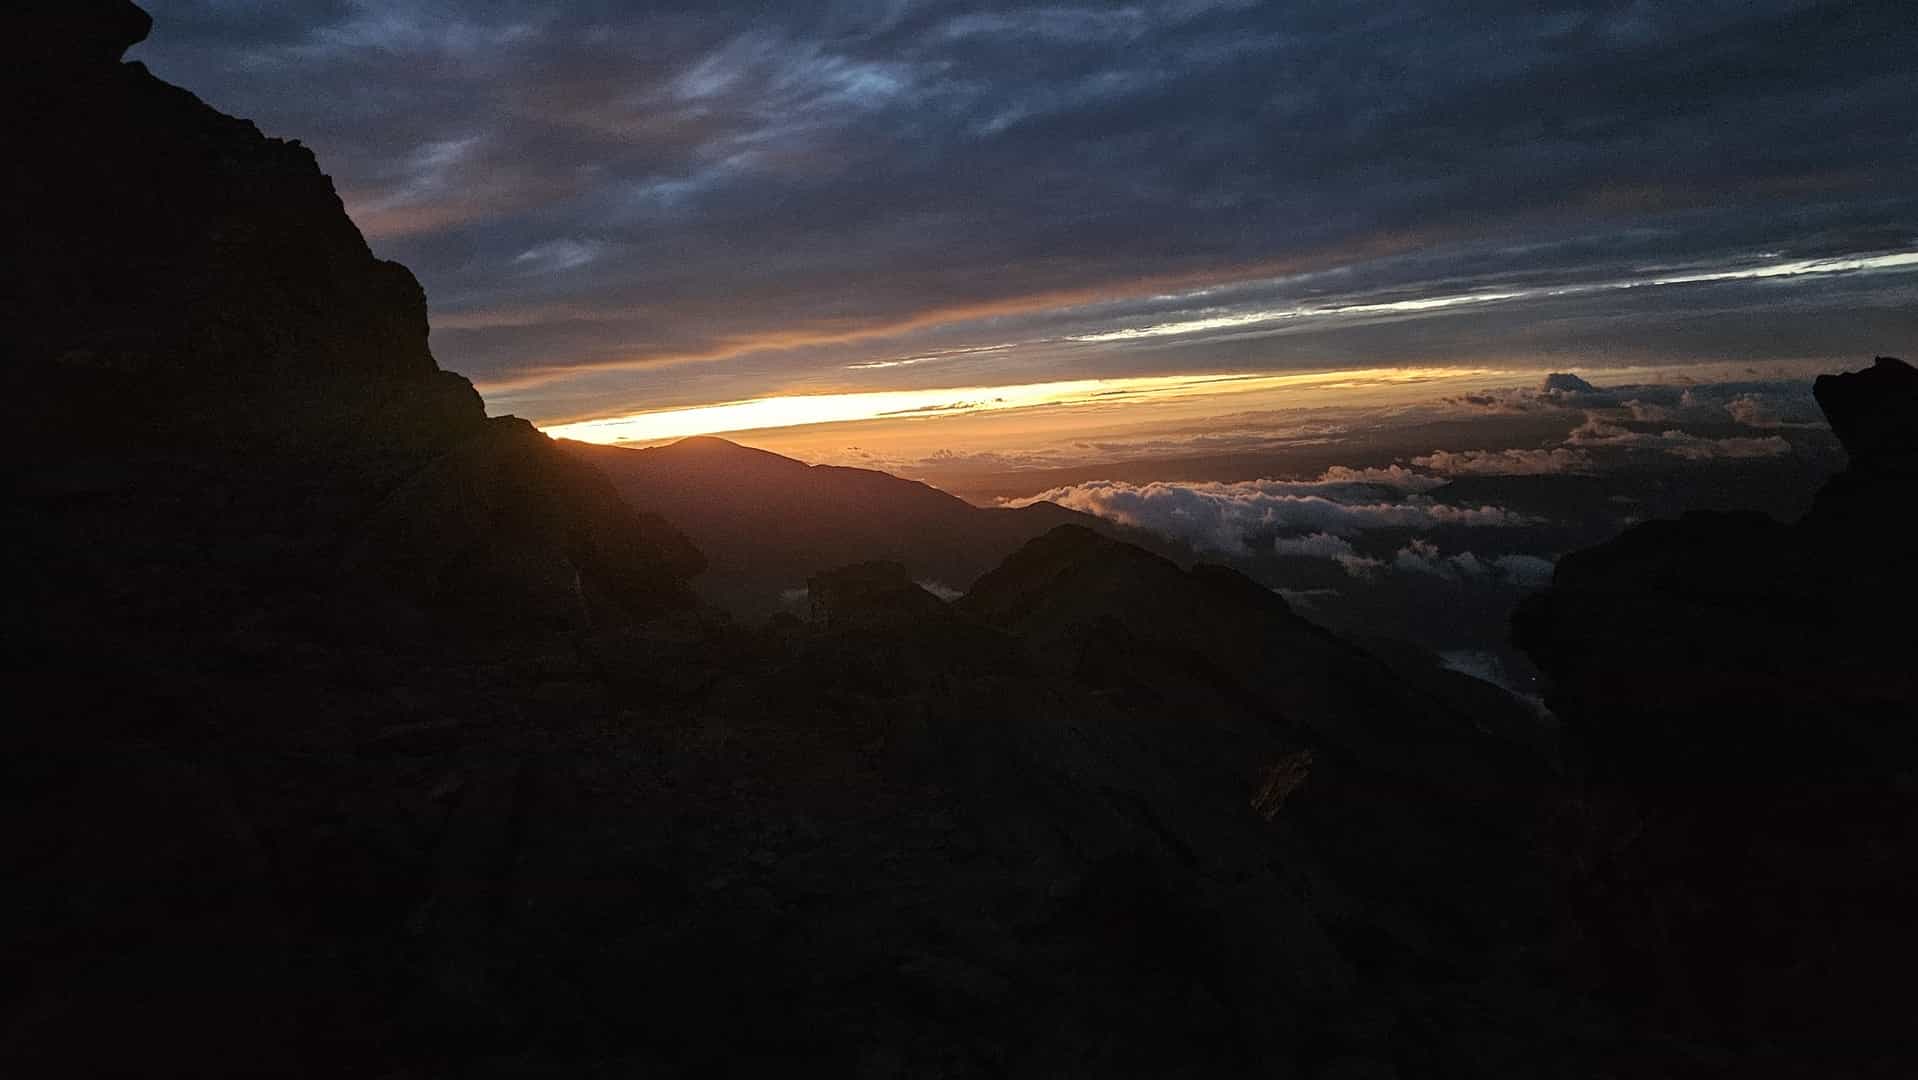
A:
766	216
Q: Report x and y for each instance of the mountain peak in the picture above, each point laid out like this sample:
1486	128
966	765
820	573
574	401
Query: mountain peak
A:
709	443
714	448
178	276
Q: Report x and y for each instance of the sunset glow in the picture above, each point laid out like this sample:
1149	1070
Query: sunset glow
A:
1104	394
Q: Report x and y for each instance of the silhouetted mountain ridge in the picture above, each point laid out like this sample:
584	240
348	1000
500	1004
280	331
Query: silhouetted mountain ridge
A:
767	523
189	297
226	294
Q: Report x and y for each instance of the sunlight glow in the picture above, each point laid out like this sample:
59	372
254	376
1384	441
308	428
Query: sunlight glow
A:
807	409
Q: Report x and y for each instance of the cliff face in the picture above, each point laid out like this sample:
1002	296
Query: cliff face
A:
173	273
1741	698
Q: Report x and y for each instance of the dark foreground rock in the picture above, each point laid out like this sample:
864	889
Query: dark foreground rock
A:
1743	705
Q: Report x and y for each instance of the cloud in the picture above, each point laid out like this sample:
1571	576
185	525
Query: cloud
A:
1759	403
1523	571
1774	411
1559	390
1650	412
1503	400
1515	570
1598	433
1326	546
1421	557
557	256
1638	419
1545	462
1220	517
1693	448
1527	571
1774	403
1487	667
1752	411
1395	476
1307	599
941	590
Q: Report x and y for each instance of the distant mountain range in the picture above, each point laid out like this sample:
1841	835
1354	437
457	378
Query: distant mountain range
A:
766	523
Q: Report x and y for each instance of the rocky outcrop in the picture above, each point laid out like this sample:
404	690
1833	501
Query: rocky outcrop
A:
1871	412
1740	698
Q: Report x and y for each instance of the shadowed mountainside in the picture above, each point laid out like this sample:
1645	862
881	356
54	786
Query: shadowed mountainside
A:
766	522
